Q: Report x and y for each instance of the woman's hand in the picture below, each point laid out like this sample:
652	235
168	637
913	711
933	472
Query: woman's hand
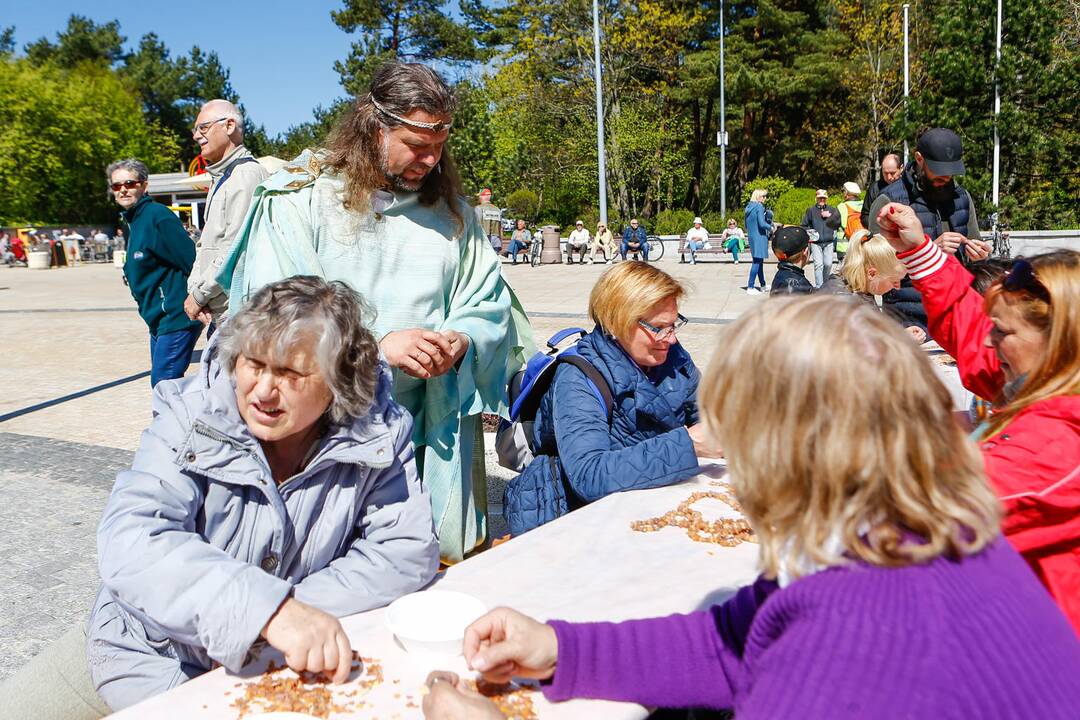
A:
459	345
504	644
704	447
421	353
917	333
311	640
900	226
448	699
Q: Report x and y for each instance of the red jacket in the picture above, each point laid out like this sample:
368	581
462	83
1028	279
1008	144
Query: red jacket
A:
1034	462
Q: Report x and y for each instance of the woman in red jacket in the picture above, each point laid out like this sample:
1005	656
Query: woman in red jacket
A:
1019	346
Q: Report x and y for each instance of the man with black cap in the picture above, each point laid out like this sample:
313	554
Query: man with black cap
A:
791	246
945	209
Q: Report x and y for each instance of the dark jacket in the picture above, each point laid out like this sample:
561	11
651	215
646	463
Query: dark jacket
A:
758	227
790	279
826	227
639	236
871	195
160	255
956	213
645	445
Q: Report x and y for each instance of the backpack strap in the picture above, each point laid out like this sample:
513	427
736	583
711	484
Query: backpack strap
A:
599	385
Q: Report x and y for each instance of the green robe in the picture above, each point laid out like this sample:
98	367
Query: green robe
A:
417	269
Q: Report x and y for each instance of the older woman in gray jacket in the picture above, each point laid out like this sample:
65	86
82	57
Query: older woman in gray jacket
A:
272	493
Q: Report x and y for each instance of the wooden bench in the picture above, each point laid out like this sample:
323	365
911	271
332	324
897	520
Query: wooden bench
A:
716	248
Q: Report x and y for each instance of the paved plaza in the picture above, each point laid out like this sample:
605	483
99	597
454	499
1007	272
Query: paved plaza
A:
77	396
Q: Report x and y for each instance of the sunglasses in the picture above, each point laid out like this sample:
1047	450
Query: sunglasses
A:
127	185
1021	278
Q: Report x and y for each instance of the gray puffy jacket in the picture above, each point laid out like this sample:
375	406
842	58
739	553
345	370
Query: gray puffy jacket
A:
198	546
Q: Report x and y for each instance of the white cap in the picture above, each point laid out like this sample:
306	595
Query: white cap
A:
697	221
822	193
852	188
579	223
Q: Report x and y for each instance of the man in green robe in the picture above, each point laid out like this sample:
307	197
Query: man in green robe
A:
381	209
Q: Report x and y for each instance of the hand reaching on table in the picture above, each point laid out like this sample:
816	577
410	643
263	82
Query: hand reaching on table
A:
704	447
448	698
505	644
917	333
311	640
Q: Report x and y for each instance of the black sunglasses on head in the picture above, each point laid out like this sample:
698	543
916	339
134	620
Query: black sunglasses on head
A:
1021	278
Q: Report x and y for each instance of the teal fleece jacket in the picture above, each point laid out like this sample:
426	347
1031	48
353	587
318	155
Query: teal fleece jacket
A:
160	255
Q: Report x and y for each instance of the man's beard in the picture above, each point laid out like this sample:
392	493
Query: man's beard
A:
935	193
397	182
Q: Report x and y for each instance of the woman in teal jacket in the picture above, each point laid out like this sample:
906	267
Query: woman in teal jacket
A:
160	255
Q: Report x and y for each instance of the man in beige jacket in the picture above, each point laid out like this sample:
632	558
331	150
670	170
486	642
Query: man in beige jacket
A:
219	131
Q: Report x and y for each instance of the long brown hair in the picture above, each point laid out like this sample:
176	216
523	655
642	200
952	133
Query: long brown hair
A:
354	148
1059	322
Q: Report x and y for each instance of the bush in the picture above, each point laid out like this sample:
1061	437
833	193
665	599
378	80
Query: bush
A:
523	204
776	186
671	222
789	209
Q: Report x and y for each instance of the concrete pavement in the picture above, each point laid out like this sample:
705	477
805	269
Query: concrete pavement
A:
75	402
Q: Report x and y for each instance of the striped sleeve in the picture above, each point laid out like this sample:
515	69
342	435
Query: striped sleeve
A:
924	260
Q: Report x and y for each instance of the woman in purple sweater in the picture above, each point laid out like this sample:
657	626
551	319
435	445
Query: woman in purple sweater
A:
886	588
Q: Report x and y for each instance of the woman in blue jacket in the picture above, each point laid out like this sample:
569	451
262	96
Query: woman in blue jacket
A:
758	225
653	437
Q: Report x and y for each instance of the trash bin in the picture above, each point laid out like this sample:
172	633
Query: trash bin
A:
38	260
552	252
118	258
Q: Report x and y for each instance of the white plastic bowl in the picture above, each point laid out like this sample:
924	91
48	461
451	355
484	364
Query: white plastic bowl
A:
433	621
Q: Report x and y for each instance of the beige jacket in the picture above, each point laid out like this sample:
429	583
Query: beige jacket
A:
227	208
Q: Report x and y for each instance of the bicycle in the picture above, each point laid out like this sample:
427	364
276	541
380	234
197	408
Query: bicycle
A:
535	249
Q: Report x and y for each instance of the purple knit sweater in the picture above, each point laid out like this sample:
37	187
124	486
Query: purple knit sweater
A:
979	638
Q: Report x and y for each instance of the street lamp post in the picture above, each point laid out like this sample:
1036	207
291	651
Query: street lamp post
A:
907	79
721	137
602	171
997	111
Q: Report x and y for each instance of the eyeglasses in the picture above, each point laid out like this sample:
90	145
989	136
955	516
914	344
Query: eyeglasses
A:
127	185
1021	278
202	127
663	333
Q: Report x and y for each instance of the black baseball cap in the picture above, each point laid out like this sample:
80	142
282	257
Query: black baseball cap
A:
790	240
942	151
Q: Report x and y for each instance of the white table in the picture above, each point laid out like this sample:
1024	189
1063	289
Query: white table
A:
588	565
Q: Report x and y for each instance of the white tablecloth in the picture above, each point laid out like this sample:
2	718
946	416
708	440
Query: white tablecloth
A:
588	565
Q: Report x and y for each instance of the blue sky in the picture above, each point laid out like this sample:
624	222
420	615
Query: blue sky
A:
280	54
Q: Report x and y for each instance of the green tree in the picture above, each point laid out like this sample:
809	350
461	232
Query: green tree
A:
82	40
7	40
400	29
63	127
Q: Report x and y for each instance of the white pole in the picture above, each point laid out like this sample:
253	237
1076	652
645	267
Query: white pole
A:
599	112
997	111
907	77
723	125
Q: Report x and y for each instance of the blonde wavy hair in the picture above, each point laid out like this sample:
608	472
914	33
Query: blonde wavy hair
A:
867	251
825	475
1058	373
626	293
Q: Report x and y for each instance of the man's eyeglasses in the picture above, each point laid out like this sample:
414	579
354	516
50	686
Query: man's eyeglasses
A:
202	127
1021	278
127	185
663	333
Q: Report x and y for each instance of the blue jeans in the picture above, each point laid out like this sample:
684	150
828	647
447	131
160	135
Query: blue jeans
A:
693	246
822	254
733	246
170	354
644	250
757	267
516	246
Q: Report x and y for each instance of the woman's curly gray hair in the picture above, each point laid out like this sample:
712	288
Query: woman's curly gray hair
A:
303	308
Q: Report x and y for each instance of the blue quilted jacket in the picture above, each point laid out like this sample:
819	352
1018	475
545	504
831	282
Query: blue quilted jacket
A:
646	444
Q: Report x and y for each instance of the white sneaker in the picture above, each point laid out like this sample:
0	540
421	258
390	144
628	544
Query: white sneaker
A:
736	262
753	291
